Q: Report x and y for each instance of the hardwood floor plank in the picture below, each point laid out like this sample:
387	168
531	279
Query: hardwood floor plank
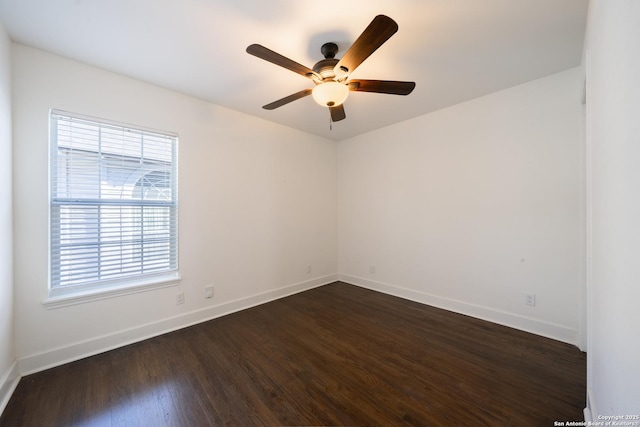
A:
335	355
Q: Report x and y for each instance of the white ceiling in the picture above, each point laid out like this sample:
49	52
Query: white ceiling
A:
455	50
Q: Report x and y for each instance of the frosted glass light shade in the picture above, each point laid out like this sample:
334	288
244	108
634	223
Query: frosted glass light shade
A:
330	94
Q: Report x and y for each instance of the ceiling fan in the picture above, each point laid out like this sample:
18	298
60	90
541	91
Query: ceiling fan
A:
331	75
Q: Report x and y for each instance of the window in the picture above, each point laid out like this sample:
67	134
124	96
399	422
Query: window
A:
113	205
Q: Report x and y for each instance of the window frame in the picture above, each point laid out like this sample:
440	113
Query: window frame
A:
74	293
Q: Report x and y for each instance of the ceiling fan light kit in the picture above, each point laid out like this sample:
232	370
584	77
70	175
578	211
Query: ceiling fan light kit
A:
331	75
330	94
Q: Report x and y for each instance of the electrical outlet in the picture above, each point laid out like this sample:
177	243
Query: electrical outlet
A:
309	269
180	298
372	269
530	299
208	292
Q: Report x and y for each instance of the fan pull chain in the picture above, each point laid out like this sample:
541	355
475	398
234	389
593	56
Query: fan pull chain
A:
330	122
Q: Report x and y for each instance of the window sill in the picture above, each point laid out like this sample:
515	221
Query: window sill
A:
82	297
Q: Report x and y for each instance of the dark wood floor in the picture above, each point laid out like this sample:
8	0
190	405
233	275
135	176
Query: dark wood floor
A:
336	355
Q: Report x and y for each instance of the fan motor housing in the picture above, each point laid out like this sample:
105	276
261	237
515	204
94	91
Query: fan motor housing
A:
325	68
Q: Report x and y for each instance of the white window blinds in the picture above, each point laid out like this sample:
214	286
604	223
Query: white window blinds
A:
113	203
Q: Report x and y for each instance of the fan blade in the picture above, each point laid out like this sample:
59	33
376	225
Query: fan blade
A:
287	99
382	86
275	58
337	113
379	31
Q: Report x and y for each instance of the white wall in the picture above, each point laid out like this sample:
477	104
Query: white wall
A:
8	372
470	207
613	116
257	206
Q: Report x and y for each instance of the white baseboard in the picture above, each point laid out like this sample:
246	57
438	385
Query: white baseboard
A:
79	350
590	412
587	415
8	383
535	326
